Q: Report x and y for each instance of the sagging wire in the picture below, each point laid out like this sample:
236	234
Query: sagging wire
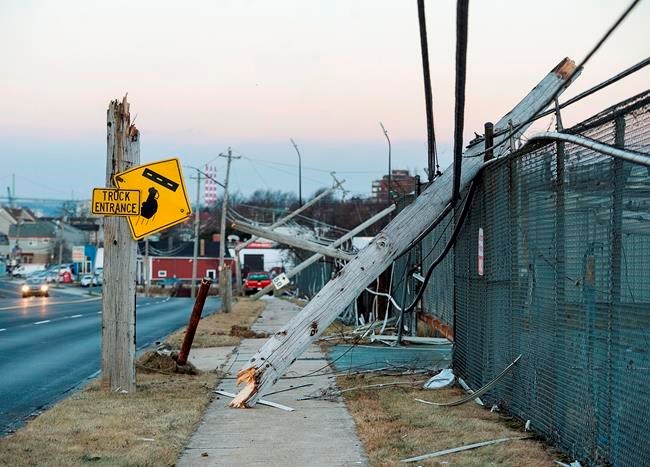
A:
447	248
389	297
477	393
576	71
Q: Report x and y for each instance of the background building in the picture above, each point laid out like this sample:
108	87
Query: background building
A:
401	182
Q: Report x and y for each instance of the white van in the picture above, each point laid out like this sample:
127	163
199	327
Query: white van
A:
25	269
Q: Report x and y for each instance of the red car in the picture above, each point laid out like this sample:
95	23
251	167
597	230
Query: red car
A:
256	281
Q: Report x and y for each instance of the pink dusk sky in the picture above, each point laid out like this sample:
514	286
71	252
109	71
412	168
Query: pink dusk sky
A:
205	75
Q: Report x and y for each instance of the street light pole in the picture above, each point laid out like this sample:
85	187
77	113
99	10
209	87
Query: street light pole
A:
299	173
389	161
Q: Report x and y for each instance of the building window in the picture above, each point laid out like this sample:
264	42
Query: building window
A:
211	273
162	273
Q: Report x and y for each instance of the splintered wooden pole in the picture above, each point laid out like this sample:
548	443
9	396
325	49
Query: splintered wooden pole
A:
120	253
285	346
195	317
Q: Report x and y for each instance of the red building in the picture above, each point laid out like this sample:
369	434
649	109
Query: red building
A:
401	182
175	261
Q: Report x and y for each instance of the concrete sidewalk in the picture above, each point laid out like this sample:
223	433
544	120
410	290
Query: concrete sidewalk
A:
317	433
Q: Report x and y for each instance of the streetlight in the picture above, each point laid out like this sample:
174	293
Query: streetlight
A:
389	167
299	173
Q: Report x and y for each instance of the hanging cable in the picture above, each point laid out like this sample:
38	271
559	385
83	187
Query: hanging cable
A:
432	155
462	13
512	132
450	243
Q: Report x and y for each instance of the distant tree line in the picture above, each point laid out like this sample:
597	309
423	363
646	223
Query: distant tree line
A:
330	214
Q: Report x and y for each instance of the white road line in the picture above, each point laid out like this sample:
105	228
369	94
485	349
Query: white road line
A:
76	316
42	322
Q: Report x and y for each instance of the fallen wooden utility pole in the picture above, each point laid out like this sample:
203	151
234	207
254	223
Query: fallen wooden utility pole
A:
312	259
118	302
285	346
290	240
280	222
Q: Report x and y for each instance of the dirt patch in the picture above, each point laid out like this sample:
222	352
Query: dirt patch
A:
157	362
393	426
246	332
214	330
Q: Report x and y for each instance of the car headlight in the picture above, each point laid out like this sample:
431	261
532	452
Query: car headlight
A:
43	288
25	288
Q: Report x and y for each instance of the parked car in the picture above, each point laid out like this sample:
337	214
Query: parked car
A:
35	287
256	281
87	280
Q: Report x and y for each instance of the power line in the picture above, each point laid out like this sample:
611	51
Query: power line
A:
578	69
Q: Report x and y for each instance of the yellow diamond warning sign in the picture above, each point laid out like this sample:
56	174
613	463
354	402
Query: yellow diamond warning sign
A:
163	196
115	202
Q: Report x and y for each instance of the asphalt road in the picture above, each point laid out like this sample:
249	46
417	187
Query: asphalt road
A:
51	346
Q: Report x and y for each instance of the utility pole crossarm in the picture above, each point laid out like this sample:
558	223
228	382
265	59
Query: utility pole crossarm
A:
293	214
281	350
290	240
312	259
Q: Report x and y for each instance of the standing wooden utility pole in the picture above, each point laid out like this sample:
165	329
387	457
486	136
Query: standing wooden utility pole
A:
196	232
225	274
118	303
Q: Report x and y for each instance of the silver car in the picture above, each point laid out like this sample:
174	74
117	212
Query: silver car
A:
35	287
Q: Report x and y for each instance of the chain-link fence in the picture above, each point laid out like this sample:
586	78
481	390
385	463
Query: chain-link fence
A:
309	281
564	280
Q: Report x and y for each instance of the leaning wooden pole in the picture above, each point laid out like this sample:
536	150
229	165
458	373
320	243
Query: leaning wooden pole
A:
120	253
285	346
